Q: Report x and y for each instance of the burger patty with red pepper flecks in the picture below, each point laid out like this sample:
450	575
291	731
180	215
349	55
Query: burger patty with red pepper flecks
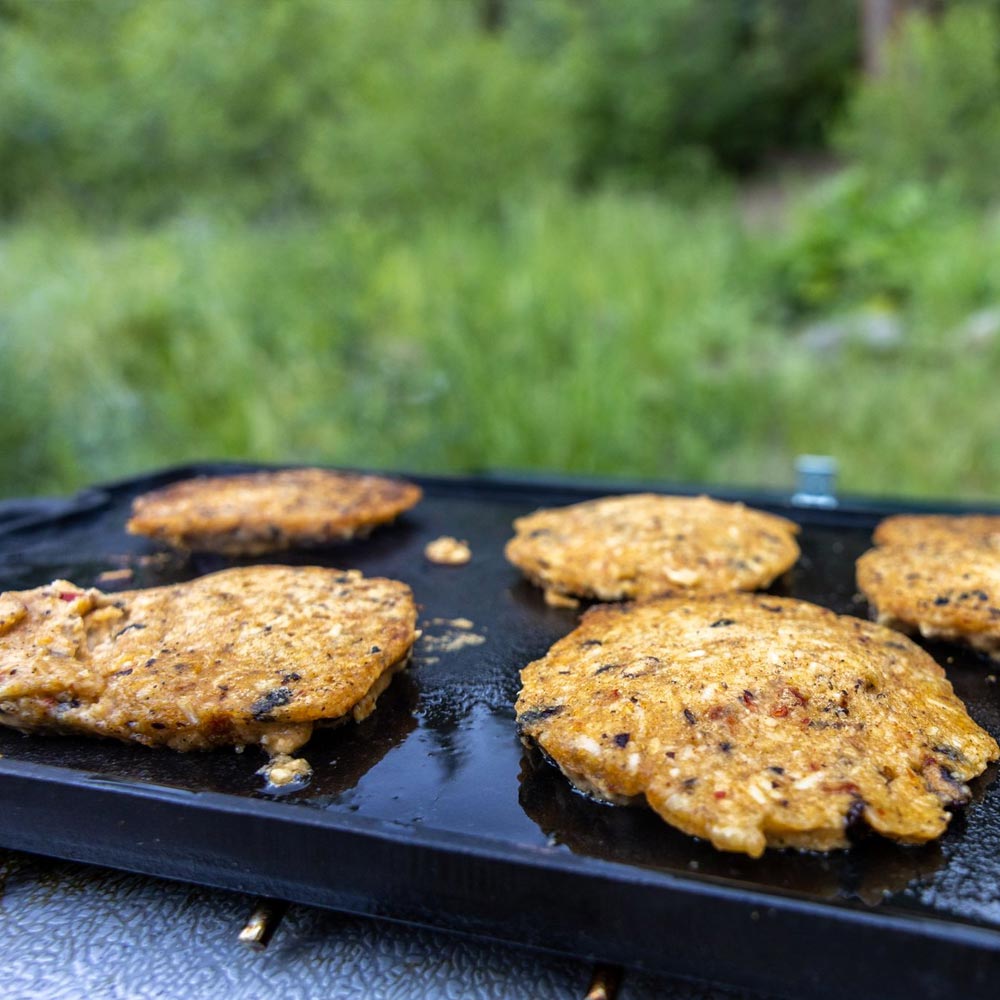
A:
755	721
627	547
938	575
256	654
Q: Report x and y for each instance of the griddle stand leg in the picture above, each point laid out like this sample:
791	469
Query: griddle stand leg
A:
604	982
263	922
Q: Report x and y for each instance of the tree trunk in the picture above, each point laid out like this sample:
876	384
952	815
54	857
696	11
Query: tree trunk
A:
878	21
493	14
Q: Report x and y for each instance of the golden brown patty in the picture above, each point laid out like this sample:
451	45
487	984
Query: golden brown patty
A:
268	511
643	545
921	529
755	721
249	655
939	575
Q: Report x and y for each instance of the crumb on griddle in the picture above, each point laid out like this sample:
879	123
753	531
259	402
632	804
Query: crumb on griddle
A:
557	599
448	551
283	770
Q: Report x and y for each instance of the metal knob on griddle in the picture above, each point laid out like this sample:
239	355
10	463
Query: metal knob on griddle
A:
815	481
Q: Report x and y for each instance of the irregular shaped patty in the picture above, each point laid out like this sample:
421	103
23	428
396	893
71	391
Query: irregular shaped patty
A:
755	721
269	511
937	575
642	545
249	655
922	529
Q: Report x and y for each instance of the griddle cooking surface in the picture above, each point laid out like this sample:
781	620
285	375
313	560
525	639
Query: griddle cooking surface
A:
440	757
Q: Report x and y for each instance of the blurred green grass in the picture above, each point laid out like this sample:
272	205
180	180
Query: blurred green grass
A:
610	333
430	236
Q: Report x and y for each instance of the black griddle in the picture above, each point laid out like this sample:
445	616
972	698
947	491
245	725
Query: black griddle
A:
432	812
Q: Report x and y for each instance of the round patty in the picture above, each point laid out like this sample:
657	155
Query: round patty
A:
269	511
642	545
937	575
249	655
755	721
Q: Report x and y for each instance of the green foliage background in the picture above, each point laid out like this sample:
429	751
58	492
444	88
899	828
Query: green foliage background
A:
399	234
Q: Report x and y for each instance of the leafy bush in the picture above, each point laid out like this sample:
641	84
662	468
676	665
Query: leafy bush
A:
341	231
850	242
924	140
683	84
613	334
134	110
543	341
934	117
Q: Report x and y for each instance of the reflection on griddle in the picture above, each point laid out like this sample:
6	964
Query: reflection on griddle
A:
526	595
44	559
870	871
532	598
784	585
383	540
150	569
341	757
450	758
443	722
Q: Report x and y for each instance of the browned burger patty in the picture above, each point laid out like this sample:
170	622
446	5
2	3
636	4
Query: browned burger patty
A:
642	545
923	529
269	511
937	575
249	655
755	721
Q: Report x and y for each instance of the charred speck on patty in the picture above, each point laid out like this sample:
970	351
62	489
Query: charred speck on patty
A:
262	708
129	628
534	715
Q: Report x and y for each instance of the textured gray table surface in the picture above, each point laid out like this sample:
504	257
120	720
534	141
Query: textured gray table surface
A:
73	931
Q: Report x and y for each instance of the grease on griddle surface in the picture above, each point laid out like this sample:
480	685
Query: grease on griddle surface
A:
869	872
446	635
441	748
